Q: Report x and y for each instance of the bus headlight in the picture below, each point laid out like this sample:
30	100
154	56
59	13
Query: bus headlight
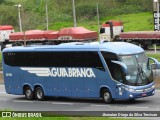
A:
153	87
131	90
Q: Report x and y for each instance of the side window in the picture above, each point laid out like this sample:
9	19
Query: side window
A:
46	59
61	59
114	69
54	59
93	60
102	30
76	59
32	59
24	59
20	59
9	58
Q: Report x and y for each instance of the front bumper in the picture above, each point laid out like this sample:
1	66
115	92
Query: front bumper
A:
133	95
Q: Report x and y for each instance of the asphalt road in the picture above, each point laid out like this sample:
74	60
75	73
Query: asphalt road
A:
19	103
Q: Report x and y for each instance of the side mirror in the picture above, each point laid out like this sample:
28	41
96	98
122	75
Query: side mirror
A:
122	65
156	64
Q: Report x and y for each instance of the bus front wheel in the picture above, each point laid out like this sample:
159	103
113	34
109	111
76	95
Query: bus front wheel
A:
29	93
39	94
107	98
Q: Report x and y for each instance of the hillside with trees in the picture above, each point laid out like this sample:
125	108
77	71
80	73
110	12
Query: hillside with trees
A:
60	14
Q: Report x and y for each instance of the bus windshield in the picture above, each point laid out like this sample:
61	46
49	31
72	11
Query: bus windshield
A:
138	72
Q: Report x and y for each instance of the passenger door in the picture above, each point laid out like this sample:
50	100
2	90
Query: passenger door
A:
116	73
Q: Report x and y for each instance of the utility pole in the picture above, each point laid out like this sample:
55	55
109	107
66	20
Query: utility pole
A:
19	16
46	14
98	22
74	14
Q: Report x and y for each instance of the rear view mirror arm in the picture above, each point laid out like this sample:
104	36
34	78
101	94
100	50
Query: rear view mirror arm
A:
122	65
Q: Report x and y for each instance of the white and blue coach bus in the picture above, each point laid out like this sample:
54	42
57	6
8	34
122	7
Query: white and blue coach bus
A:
110	70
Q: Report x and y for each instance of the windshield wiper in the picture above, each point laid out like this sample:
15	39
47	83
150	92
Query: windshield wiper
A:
141	74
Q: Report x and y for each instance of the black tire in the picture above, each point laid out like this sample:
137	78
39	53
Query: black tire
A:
39	94
29	94
107	97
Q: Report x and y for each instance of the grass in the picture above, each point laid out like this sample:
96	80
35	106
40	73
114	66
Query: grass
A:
156	56
136	22
132	22
58	25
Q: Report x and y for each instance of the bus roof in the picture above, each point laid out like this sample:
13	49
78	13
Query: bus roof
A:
114	47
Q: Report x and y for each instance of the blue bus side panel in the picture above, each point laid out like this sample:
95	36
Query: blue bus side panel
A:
69	86
13	81
33	81
52	86
57	86
75	86
64	87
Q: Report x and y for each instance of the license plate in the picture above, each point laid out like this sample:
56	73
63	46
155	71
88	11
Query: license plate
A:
144	95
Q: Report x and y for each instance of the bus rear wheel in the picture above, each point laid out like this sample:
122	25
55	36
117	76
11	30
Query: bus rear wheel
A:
29	93
39	94
107	98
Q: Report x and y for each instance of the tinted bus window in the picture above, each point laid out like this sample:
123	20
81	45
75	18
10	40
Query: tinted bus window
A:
54	59
46	59
76	59
19	59
93	60
61	59
9	58
32	59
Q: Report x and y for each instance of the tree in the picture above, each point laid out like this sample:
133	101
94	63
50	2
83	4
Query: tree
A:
1	1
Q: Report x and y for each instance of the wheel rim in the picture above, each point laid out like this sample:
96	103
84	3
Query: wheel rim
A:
28	93
106	96
39	94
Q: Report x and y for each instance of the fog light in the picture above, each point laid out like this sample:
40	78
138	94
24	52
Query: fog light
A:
130	95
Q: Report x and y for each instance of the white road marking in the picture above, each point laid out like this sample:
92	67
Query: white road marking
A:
101	105
62	103
21	101
4	100
138	107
